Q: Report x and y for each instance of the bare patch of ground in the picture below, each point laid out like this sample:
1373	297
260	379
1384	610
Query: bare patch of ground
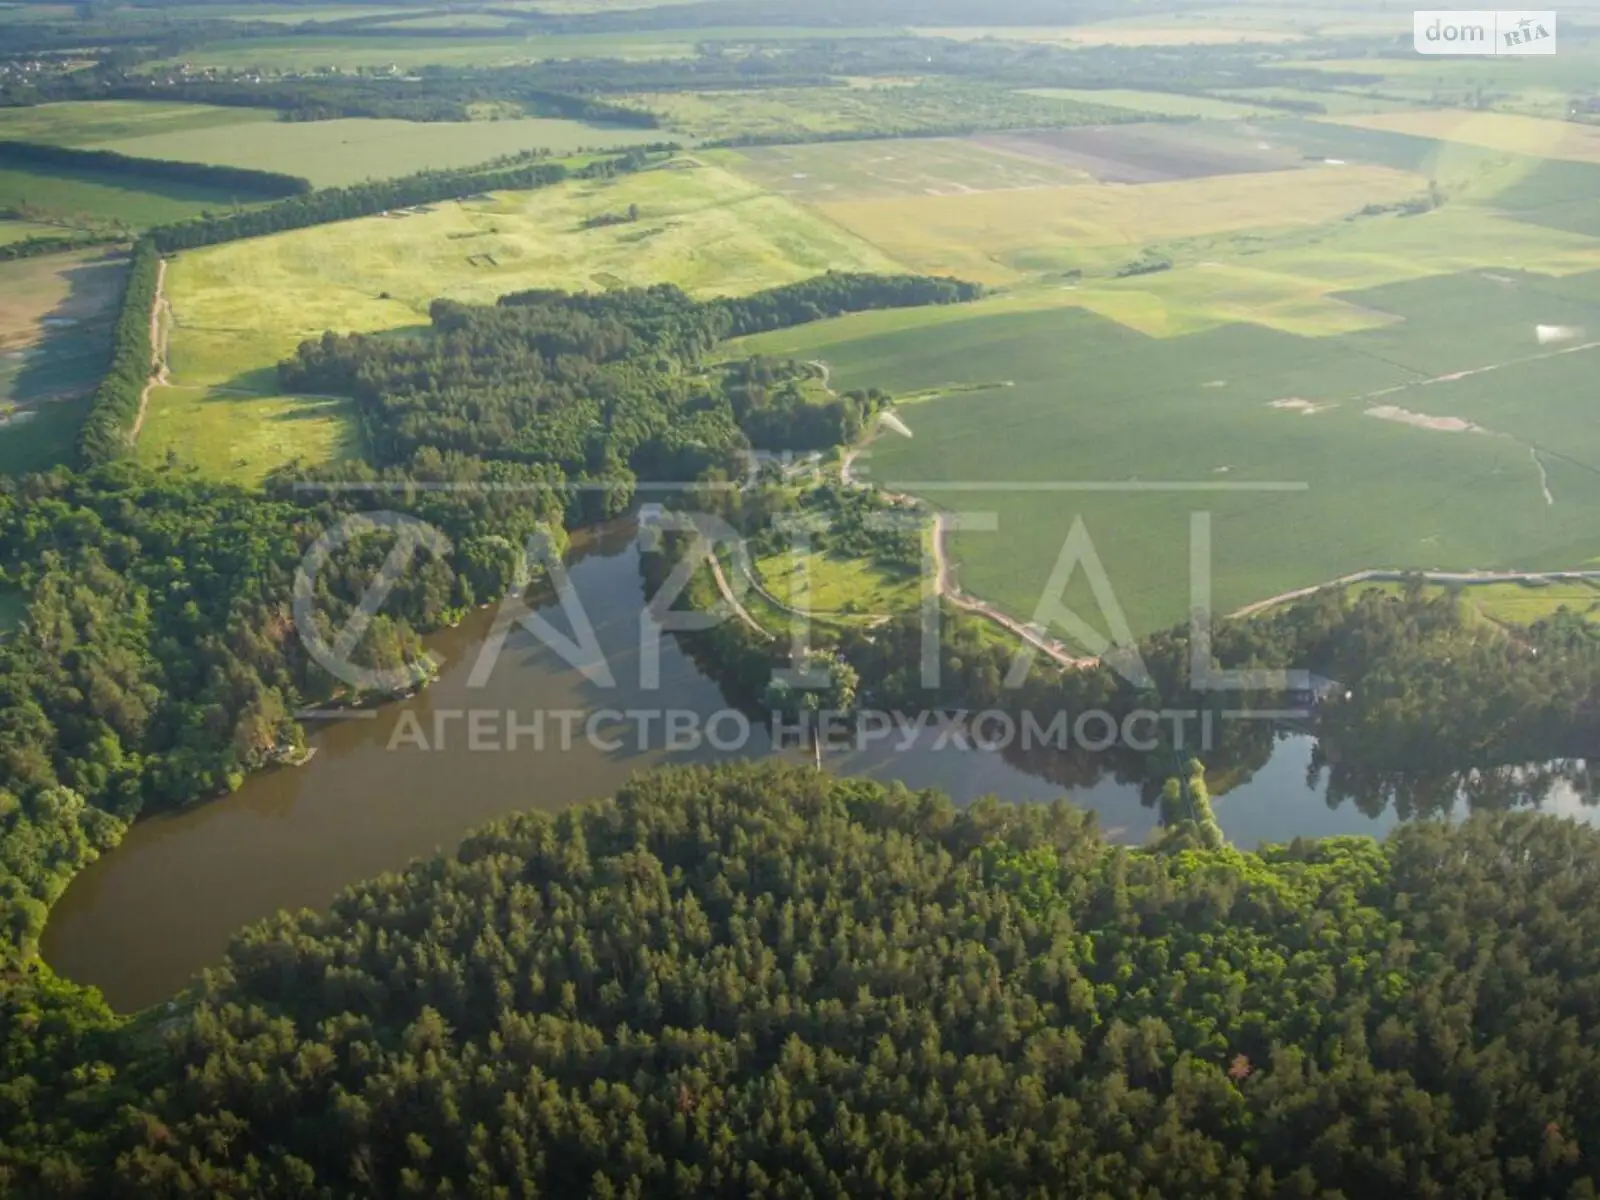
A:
1306	408
1391	412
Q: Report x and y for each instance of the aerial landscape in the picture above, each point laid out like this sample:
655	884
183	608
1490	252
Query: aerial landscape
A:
724	598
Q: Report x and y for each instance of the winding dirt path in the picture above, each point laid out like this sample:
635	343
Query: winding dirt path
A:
1390	575
944	587
732	601
158	348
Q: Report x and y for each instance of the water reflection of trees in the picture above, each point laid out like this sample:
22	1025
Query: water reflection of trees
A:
1415	795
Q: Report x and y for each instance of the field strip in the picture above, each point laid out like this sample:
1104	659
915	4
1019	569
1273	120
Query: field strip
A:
158	349
1395	575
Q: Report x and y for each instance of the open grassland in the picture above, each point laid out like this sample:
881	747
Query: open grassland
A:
890	108
1164	104
1505	484
1336	103
55	326
1008	237
21	231
1114	34
89	199
851	590
240	308
334	153
291	55
1493	131
893	167
103	124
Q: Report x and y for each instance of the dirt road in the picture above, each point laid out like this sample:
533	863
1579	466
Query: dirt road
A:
158	348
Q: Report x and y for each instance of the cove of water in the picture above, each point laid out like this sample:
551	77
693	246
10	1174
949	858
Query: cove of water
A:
150	914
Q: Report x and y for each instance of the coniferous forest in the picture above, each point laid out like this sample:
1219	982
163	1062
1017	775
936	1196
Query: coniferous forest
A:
762	981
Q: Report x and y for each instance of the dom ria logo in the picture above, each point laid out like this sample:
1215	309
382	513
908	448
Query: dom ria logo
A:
1440	32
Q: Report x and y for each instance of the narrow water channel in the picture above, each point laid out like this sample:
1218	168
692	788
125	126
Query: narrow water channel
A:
383	789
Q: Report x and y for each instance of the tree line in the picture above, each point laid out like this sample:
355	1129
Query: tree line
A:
247	181
366	199
760	980
107	431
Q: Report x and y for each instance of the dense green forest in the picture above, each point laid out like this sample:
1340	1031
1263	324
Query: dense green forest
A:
595	383
762	981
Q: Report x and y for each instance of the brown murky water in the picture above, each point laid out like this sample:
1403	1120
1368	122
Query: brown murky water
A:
143	919
383	789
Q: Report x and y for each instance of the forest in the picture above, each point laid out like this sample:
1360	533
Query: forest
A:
760	980
595	383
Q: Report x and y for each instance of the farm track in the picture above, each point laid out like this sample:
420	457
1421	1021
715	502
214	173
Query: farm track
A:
946	589
1390	575
158	348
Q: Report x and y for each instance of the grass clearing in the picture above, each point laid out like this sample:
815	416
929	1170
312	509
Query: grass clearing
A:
892	167
1505	132
241	307
103	124
56	314
850	590
1165	104
340	152
1009	237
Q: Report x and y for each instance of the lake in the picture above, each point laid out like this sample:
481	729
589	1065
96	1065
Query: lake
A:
390	784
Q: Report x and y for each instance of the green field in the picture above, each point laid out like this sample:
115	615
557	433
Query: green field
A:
850	591
898	107
1096	402
20	231
55	324
335	153
328	153
290	55
240	308
1156	104
88	199
102	124
892	167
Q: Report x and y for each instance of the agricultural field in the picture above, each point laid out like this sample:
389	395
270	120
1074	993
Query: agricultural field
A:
241	307
1334	102
91	199
290	55
1505	132
105	124
890	108
1409	444
906	167
21	231
56	314
1157	104
335	153
1013	236
1114	34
